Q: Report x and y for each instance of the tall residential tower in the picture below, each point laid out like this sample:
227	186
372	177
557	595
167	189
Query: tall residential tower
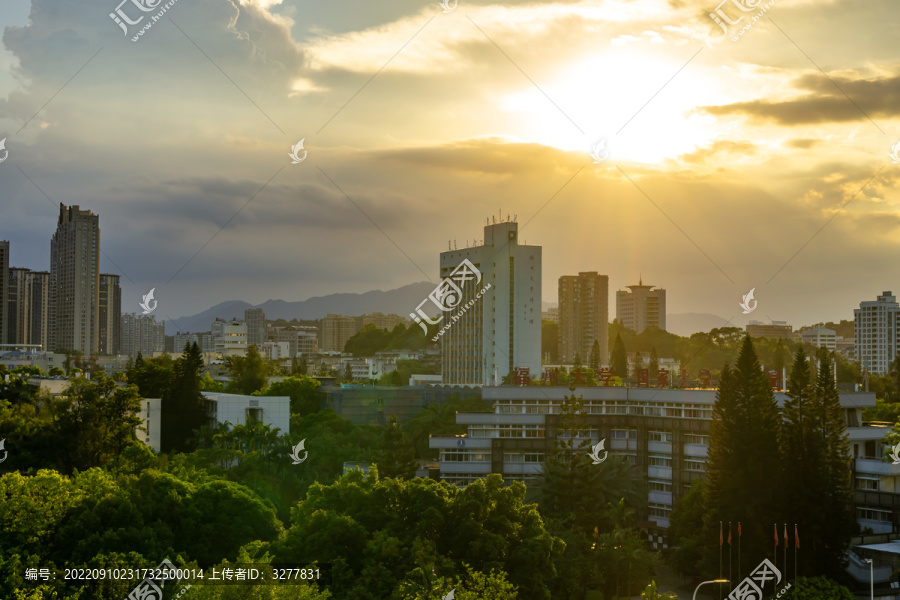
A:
75	281
641	308
583	317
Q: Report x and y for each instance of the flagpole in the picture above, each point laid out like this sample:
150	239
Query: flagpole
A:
729	551
720	557
785	547
739	550
796	545
775	552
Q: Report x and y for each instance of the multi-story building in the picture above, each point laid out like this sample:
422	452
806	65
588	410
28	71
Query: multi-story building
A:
302	339
26	307
230	409
255	319
773	330
233	341
551	314
583	317
381	321
642	307
75	281
877	332
336	330
18	306
4	279
141	333
110	321
501	328
182	339
820	337
663	432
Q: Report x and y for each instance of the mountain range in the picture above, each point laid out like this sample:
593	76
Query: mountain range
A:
399	301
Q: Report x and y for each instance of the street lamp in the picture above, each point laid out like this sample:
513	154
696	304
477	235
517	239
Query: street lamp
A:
705	582
871	578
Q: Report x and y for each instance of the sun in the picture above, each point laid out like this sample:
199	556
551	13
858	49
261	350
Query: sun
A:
622	96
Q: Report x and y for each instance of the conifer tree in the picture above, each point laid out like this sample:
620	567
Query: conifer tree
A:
619	358
744	460
654	365
181	406
804	473
595	357
837	497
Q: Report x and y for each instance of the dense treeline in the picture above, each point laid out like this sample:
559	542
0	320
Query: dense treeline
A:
767	465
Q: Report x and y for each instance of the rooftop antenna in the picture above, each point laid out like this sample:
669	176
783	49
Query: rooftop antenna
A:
454	244
448	245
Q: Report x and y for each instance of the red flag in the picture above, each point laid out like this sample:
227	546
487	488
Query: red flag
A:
776	534
796	537
785	535
729	534
739	529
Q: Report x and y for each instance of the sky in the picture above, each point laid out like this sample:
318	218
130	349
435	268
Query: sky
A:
634	138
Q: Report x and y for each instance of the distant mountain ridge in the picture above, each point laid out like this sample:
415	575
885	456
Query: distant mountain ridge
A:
401	301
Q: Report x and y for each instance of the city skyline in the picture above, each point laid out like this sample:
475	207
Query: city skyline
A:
747	167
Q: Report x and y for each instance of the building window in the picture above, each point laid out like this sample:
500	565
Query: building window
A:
874	514
866	483
660	436
659	461
660	486
696	438
696	466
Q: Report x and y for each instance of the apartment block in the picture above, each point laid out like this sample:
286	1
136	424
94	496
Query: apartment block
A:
583	317
75	281
110	319
642	307
336	330
141	333
877	332
255	319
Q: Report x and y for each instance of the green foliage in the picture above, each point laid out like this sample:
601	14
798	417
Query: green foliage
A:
370	339
248	373
883	411
618	357
396	454
816	588
377	533
151	376
440	419
650	593
686	530
302	389
550	342
181	408
744	457
405	369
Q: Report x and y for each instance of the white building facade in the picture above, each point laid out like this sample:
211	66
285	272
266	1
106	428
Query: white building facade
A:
501	330
877	332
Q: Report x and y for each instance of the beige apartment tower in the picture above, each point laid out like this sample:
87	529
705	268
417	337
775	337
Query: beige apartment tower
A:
642	307
75	282
583	317
336	330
